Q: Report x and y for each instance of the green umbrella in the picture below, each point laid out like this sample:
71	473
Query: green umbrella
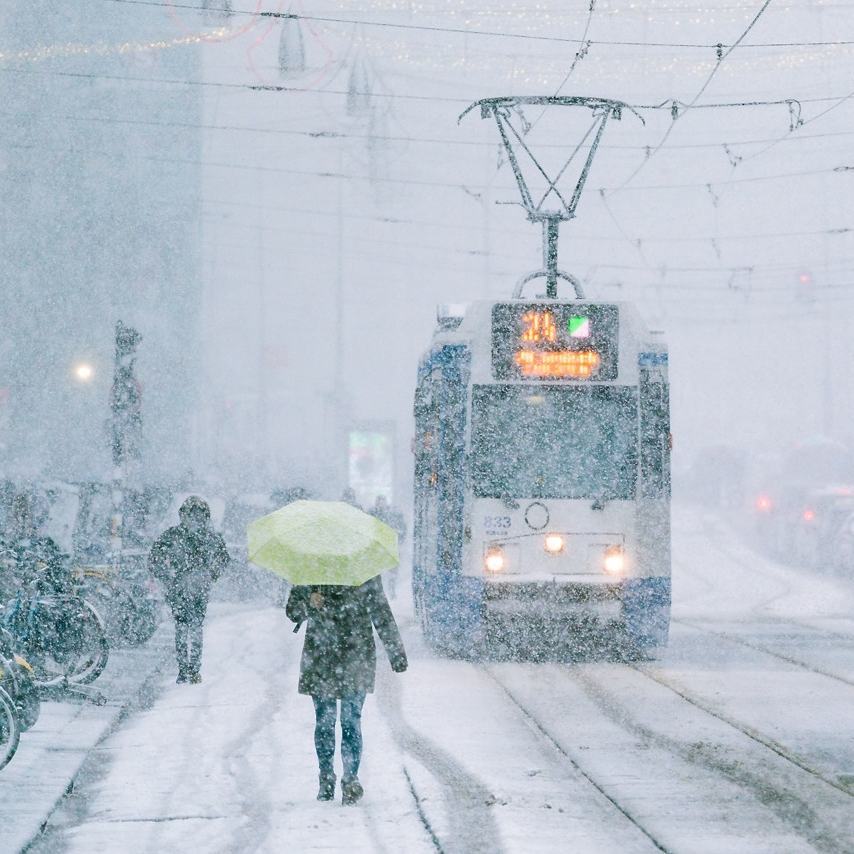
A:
322	542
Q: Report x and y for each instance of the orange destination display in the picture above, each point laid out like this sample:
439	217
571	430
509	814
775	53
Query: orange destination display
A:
574	341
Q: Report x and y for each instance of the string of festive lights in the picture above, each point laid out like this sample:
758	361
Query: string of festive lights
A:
682	106
72	49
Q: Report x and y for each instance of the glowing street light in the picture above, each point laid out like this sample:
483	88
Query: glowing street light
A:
84	372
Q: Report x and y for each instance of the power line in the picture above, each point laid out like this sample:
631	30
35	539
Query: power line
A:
577	237
226	85
449	141
422	182
721	58
496	33
667	104
581	52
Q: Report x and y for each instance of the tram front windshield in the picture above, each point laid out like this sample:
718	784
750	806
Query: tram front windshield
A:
551	442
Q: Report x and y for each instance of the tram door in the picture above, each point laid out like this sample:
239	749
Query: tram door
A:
425	481
655	434
653	507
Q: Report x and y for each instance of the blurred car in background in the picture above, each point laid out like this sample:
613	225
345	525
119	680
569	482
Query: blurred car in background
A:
800	503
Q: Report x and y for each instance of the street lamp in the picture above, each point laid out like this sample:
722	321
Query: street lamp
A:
84	372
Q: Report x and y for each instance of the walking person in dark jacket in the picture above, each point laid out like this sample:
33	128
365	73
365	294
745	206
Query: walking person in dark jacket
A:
339	663
187	559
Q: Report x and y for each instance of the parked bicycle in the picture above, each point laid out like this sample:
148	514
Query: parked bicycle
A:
124	598
17	679
61	634
10	730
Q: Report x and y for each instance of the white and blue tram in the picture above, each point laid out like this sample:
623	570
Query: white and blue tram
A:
542	475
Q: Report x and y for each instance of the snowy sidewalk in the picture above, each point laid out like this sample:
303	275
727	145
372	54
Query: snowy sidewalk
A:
229	765
52	753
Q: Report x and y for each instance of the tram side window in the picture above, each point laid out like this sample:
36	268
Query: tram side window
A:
426	432
655	437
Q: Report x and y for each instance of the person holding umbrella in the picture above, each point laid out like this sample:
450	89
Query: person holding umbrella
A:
334	553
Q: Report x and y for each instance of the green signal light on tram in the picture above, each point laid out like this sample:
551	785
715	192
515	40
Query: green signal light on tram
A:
578	326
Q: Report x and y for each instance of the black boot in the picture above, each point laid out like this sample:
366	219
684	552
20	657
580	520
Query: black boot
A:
326	790
351	791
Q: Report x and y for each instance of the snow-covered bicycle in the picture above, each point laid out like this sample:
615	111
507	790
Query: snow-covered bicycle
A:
10	730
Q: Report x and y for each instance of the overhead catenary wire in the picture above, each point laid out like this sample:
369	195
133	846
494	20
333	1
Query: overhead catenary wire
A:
379	219
723	284
326	134
332	174
281	88
721	58
659	106
365	22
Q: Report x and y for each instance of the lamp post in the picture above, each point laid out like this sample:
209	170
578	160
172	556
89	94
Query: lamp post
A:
126	410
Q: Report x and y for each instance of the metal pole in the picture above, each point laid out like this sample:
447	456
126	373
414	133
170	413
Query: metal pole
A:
125	403
550	235
340	408
119	440
117	517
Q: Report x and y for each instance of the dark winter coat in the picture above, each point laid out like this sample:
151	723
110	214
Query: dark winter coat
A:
187	563
339	656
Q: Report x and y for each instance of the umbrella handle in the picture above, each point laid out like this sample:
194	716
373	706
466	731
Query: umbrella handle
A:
297	626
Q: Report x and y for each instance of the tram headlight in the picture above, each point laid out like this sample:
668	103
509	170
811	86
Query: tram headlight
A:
493	560
554	544
614	561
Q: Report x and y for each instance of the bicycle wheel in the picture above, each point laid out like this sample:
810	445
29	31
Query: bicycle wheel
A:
139	618
10	732
93	645
77	651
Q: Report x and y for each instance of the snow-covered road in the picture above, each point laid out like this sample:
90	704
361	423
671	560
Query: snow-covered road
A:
740	739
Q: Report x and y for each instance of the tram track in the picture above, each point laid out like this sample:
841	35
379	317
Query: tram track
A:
753	734
760	609
536	725
797	662
786	800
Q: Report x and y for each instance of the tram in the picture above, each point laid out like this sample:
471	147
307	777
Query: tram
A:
542	475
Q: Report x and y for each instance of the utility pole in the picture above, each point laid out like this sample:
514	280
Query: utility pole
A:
126	429
263	420
340	406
